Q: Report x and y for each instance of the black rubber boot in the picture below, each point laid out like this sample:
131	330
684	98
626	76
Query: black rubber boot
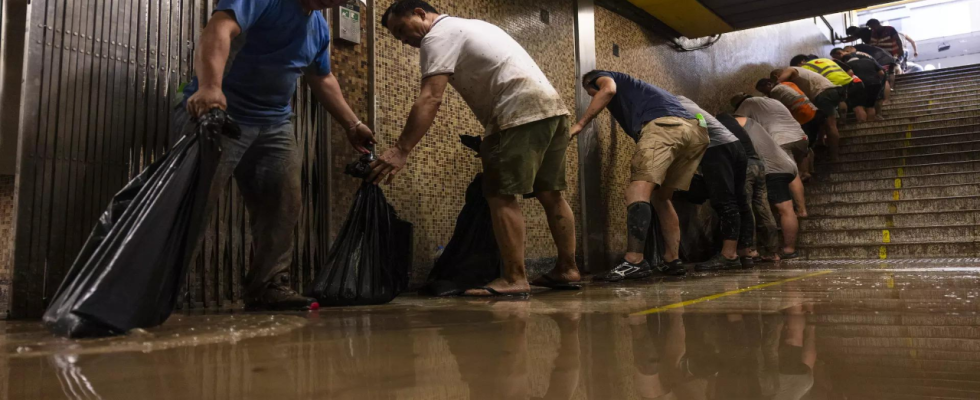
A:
278	296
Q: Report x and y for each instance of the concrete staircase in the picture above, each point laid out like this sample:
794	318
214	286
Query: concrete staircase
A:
906	187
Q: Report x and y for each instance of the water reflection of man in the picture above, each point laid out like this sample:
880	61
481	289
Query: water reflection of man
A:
796	350
662	369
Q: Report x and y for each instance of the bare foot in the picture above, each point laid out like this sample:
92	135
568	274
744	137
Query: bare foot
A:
564	274
802	214
502	286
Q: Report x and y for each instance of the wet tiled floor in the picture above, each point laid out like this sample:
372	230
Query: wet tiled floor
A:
805	330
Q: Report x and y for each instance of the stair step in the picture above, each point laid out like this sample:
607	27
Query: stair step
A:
934	87
824	176
891	126
943	218
922	205
892	144
936	73
913	181
897	320
891	251
948	79
965	345
915	193
916	119
919	112
895	235
932	104
934	100
923	332
903	161
903	132
912	151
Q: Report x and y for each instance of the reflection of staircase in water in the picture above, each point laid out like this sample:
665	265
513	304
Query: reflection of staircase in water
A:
906	187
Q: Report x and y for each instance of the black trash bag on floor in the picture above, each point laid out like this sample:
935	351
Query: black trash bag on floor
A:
471	259
655	246
371	261
129	272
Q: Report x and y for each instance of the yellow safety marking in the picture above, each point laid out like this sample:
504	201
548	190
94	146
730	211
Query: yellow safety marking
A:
883	252
898	183
896	195
907	143
690	18
892	209
908	135
901	172
903	160
930	102
890	282
728	293
889	221
914	353
886	237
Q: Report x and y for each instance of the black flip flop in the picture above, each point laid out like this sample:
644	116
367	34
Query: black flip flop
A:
495	293
548	282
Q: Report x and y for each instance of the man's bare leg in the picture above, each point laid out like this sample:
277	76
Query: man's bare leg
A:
833	137
670	225
796	188
888	91
509	230
790	225
861	114
561	221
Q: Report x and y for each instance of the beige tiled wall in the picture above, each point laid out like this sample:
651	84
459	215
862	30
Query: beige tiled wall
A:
430	191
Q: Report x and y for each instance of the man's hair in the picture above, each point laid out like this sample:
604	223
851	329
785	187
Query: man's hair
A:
799	59
848	57
775	74
853	30
811	57
737	100
590	77
836	51
763	81
405	7
873	21
850	49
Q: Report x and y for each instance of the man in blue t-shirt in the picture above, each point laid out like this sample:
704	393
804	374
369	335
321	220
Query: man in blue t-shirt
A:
248	61
670	142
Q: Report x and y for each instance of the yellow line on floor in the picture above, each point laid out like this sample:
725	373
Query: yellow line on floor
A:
729	293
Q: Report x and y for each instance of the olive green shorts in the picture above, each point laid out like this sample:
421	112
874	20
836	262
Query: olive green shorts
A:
526	159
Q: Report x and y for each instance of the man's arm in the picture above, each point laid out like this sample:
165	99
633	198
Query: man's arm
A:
915	48
210	63
419	121
607	90
327	90
788	75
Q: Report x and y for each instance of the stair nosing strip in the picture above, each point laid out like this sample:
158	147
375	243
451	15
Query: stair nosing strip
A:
842	145
898	228
821	246
899	201
826	217
821	183
819	173
899	157
904	188
913	123
913	131
921	146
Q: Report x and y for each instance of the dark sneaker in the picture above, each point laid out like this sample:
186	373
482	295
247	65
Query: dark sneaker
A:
747	262
718	263
278	296
673	268
626	270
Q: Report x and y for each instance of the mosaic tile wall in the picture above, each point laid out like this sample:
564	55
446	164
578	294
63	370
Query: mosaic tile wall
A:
6	240
430	192
709	77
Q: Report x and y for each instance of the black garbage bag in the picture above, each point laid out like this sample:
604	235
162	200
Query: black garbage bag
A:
471	259
371	261
655	246
129	272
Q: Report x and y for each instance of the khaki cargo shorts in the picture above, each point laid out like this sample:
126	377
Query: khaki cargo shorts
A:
669	151
526	159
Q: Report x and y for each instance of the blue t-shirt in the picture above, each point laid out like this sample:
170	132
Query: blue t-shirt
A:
637	102
279	42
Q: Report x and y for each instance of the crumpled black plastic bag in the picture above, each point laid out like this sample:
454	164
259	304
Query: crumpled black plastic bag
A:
371	261
129	272
655	246
471	259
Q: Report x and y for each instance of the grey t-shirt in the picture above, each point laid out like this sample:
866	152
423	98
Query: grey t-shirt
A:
773	116
777	161
717	132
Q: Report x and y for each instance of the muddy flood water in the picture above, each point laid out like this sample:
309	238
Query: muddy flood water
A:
834	330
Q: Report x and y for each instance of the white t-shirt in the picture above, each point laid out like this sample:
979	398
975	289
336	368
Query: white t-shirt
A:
812	83
496	77
773	116
718	134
